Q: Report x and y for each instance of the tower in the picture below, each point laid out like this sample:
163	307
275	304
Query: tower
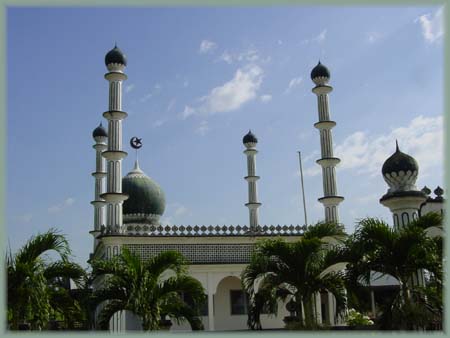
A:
115	62
320	75
402	198
250	142
100	136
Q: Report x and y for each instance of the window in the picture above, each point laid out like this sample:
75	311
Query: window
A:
238	301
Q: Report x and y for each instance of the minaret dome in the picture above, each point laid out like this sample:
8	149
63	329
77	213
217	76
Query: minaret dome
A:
115	59
250	140
99	132
320	74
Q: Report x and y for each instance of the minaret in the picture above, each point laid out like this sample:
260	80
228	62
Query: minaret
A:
100	136
402	198
115	62
250	142
320	76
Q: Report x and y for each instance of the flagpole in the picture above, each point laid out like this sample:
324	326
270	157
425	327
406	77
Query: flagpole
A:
303	187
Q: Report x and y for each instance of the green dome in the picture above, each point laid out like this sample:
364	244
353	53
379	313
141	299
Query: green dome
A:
146	201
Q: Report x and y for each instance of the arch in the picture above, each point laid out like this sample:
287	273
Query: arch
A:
228	315
405	218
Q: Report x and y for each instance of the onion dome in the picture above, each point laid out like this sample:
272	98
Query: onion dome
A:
426	190
250	139
146	201
399	161
400	172
115	55
438	192
320	74
99	132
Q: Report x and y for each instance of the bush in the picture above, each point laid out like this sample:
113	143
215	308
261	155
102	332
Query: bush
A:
354	318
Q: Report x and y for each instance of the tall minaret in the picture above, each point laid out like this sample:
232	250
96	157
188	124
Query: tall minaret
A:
100	136
320	76
115	61
250	142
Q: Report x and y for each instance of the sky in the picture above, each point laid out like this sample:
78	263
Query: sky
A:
198	80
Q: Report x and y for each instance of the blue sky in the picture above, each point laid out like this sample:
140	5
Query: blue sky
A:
198	79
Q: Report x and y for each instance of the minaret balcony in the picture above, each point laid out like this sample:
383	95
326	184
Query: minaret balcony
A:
116	76
331	200
322	89
253	205
328	162
115	115
99	174
114	155
325	125
251	178
114	197
100	146
250	151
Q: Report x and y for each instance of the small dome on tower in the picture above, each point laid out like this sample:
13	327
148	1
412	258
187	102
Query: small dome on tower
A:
115	55
249	138
146	201
99	132
399	161
320	74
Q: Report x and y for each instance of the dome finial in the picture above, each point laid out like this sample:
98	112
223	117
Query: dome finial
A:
396	145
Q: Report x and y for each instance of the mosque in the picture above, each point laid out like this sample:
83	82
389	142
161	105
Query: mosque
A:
127	213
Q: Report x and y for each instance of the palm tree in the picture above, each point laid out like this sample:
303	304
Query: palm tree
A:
150	289
376	247
281	270
33	281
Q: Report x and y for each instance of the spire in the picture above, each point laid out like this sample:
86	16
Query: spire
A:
396	145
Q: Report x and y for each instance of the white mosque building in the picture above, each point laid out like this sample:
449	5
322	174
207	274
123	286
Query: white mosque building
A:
127	211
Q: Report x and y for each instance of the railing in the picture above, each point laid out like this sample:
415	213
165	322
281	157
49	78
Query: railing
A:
204	231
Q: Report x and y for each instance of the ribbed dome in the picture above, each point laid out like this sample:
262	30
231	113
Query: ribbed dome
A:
249	138
399	162
99	132
146	197
115	55
320	71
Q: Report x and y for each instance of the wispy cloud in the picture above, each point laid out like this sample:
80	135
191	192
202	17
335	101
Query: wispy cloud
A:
171	104
129	88
265	98
174	213
432	25
203	128
155	90
242	88
296	81
372	37
207	46
365	154
158	123
63	205
317	39
250	55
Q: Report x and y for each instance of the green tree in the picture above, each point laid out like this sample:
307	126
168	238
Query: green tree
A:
35	292
150	289
294	271
375	247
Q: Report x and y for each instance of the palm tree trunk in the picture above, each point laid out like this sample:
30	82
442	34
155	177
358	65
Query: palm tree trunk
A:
309	311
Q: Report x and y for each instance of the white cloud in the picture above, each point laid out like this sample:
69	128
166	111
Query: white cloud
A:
185	83
171	104
129	88
373	37
318	38
265	98
180	210
203	128
188	111
367	155
58	207
207	46
155	90
158	123
250	55
231	95
432	25
293	83
321	37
